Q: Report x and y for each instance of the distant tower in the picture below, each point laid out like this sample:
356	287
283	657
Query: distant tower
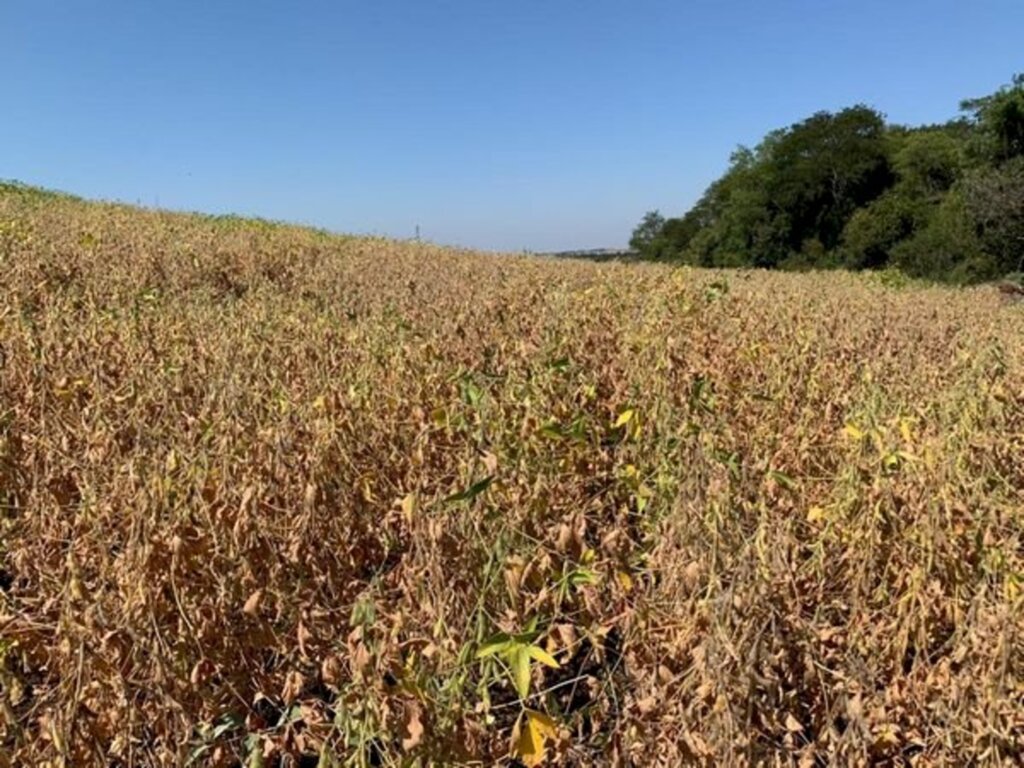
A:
417	233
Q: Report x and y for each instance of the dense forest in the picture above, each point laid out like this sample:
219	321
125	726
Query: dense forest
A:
846	189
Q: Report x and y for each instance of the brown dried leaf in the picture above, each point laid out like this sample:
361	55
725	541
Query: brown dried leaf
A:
293	686
304	636
331	670
252	605
412	725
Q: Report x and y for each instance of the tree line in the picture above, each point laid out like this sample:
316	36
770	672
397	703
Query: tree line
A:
846	189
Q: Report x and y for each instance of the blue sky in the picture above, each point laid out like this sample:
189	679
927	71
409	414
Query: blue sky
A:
520	124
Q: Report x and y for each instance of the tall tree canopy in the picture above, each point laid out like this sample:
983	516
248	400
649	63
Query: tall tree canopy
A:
845	189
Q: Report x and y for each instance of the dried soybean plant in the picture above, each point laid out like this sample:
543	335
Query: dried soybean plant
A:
274	497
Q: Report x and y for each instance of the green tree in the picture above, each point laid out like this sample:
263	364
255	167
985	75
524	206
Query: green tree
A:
994	200
799	186
845	189
946	248
928	162
647	234
873	231
1000	117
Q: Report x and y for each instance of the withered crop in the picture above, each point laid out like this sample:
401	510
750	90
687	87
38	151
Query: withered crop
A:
270	496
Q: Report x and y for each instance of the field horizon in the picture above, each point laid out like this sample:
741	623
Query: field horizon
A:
273	496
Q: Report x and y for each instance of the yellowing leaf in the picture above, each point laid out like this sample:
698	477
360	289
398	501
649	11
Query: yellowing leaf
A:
905	430
624	418
542	656
368	492
625	580
1012	590
814	514
852	432
520	659
535	730
497	644
543	724
409	507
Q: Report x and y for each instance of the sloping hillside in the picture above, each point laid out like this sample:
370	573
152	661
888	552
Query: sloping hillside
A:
268	492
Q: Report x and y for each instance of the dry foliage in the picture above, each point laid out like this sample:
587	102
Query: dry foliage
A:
274	497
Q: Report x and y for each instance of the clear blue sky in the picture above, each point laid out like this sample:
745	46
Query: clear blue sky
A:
537	124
